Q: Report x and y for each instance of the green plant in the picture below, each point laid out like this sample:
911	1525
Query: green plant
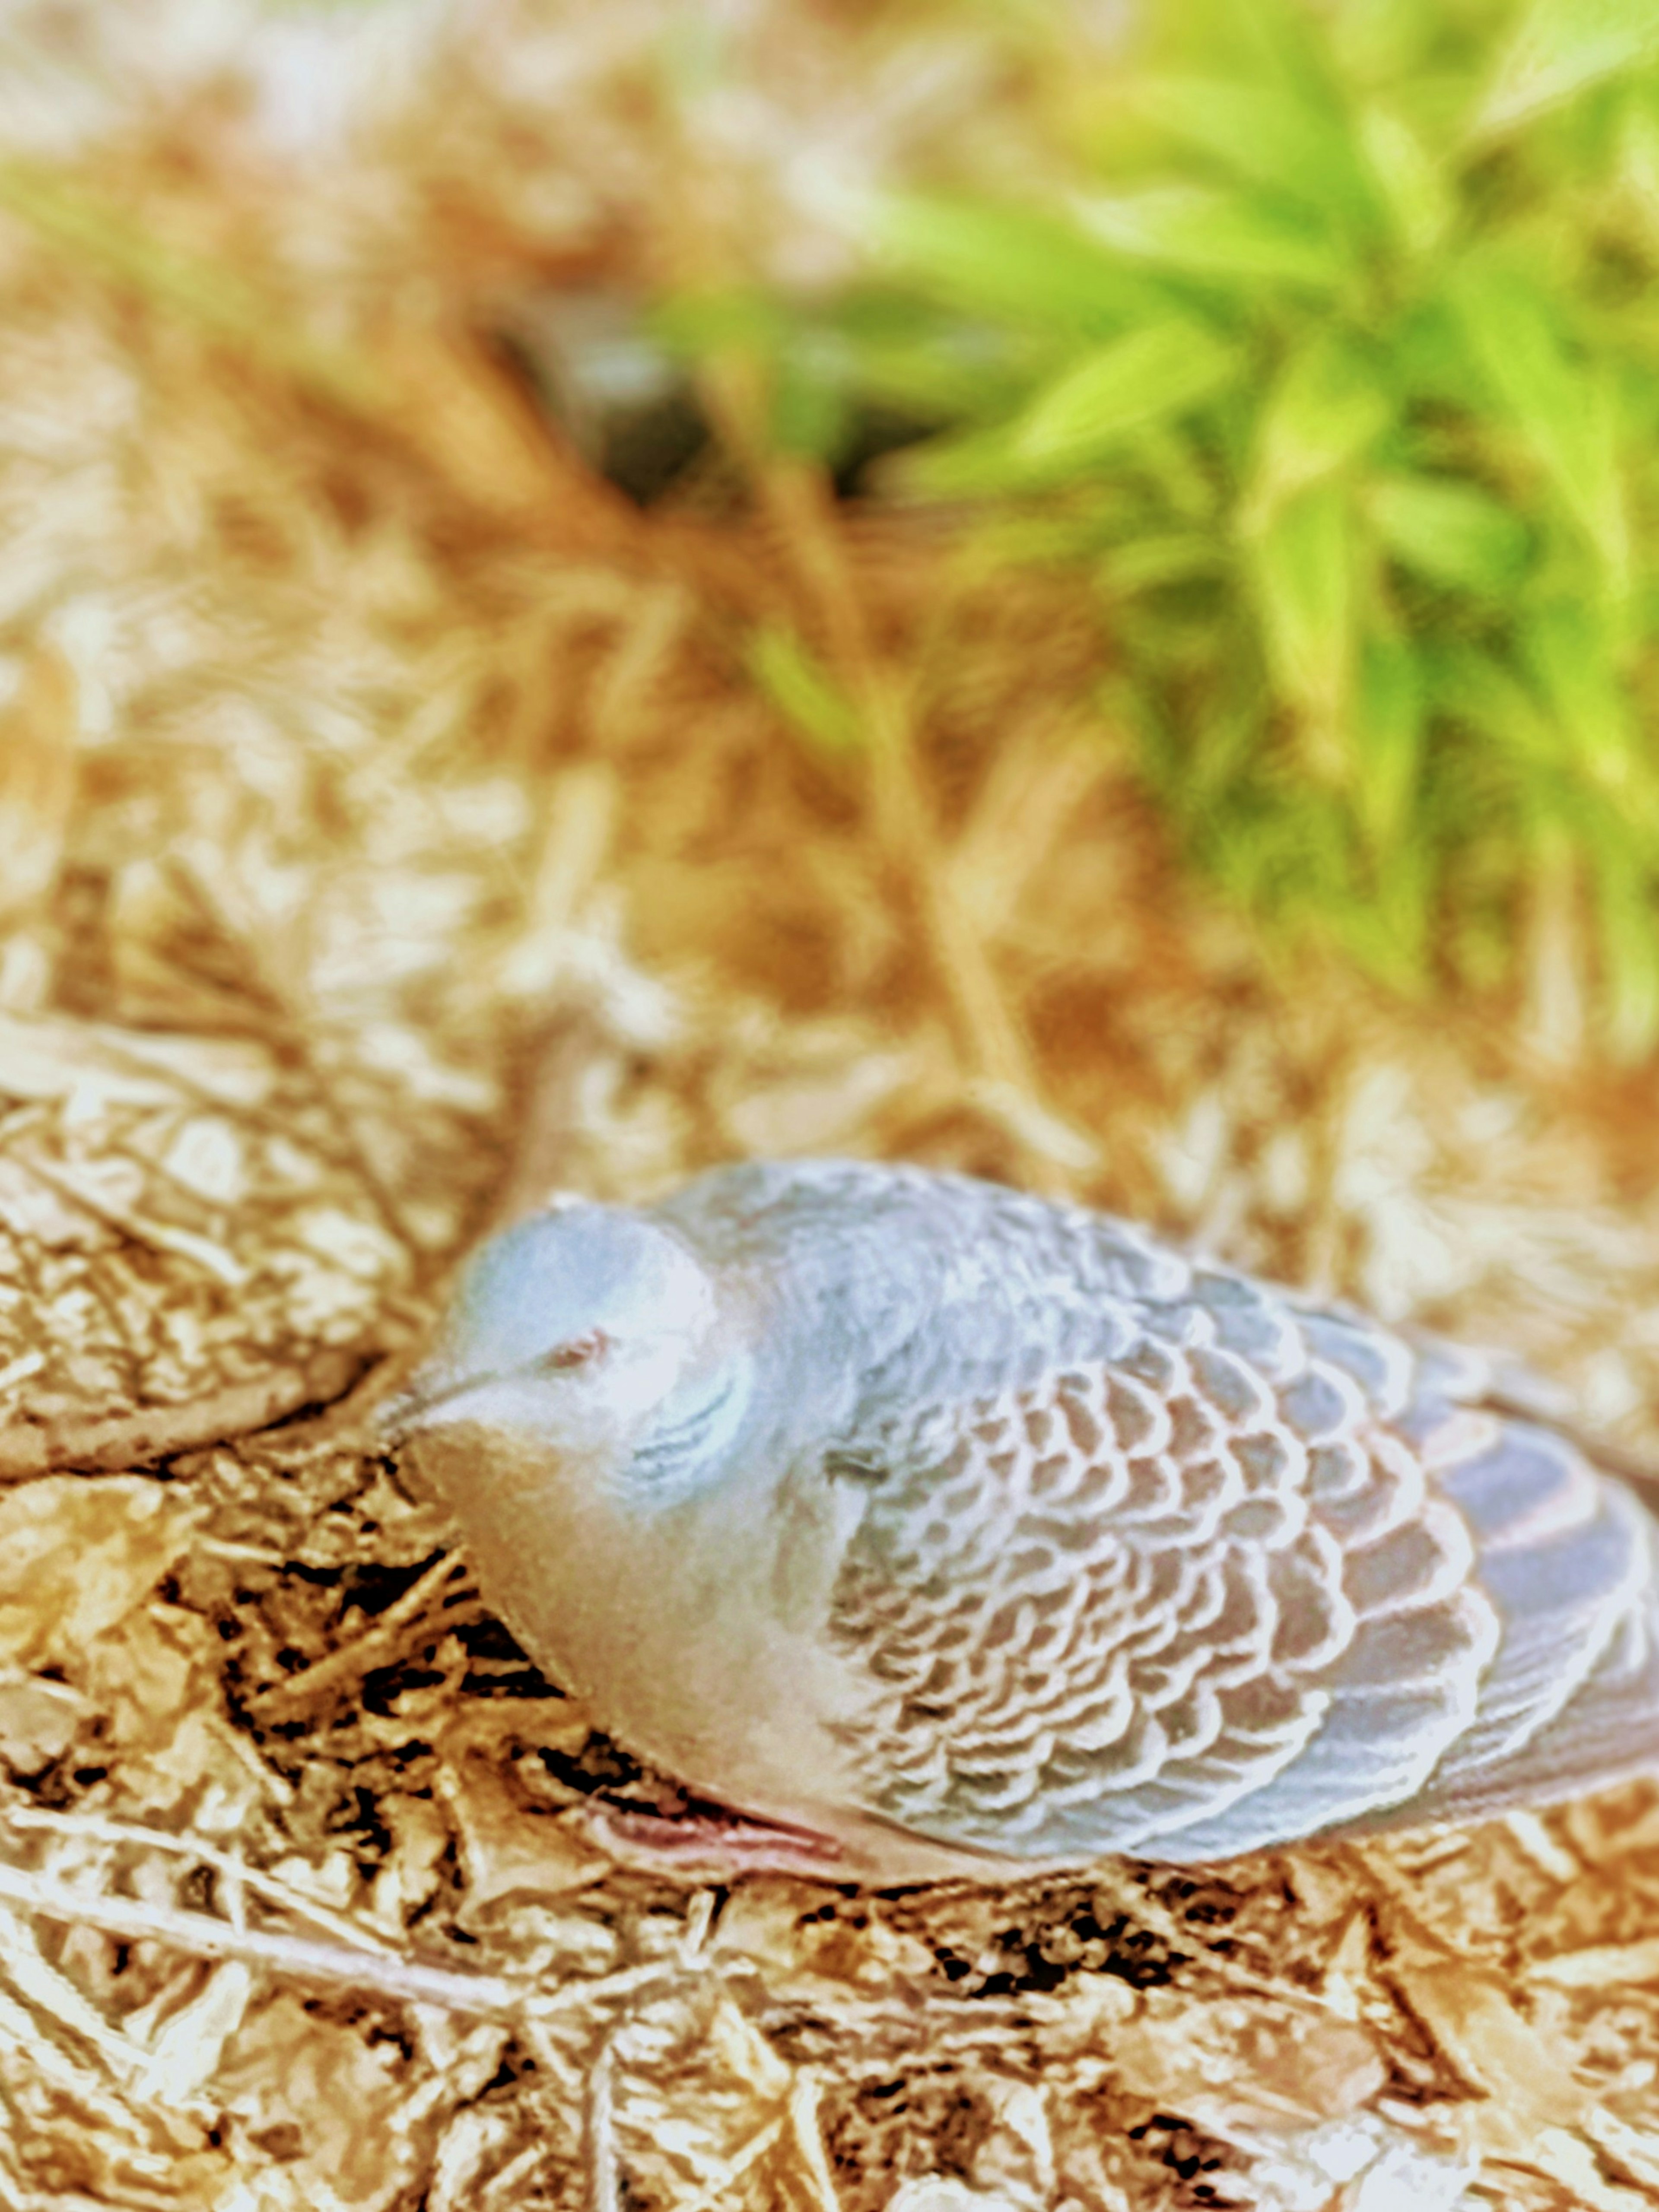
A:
1334	355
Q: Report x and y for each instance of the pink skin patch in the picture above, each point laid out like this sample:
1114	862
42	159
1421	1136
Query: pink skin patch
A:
709	1844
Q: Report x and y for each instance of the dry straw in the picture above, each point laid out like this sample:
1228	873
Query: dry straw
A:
391	828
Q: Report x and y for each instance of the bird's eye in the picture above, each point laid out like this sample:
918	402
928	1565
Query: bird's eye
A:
578	1352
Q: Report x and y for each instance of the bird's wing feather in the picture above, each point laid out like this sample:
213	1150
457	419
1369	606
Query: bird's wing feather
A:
1234	1571
1572	1701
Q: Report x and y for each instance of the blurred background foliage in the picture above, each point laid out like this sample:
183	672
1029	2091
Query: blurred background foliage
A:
1324	342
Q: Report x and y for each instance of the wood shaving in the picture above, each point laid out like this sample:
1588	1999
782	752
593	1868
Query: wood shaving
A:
394	838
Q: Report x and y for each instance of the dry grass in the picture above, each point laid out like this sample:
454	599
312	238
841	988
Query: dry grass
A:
359	755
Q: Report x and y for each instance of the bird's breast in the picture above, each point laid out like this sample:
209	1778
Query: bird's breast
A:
693	1629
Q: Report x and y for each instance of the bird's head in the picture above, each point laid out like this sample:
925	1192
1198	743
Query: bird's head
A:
574	1332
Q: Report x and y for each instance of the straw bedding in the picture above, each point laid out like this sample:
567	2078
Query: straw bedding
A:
388	831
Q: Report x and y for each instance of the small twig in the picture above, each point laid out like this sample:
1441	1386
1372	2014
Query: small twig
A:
403	1980
106	1443
571	1996
488	1995
94	1828
216	297
549	1111
159	1236
808	2139
600	2130
298	1035
989	1036
1599	1965
20	1369
505	2181
699	1919
353	1658
715	2192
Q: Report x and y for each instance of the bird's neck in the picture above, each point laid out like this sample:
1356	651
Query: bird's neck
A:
690	1432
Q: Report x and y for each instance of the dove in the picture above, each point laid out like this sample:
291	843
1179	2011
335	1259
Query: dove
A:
941	1529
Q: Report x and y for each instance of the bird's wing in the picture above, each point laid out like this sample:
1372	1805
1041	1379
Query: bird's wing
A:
1258	1573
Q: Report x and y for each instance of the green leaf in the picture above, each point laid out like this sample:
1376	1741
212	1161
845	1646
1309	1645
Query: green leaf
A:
1124	392
1389	714
1154	374
1559	48
1169	557
1430	356
1325	408
1629	931
792	679
1388	940
1638	156
971	465
1572	655
1264	132
1478	690
1204	233
810	413
1447	530
715	321
1282	42
1352	417
1010	265
1412	185
1381	41
1302	567
1564	409
945	373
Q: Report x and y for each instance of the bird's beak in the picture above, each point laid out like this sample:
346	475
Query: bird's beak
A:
416	1406
394	1417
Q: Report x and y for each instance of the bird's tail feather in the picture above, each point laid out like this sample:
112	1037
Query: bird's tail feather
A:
1608	1734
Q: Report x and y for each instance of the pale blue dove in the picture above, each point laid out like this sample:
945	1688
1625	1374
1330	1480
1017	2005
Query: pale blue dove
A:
960	1532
